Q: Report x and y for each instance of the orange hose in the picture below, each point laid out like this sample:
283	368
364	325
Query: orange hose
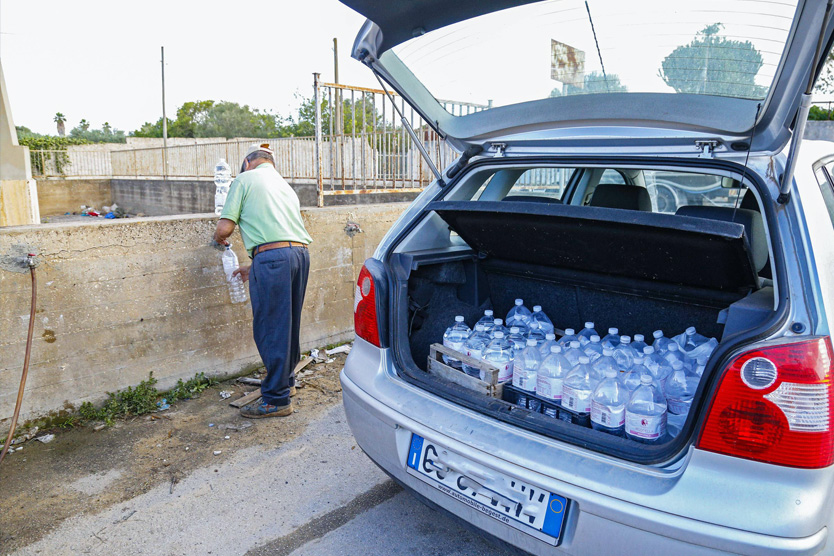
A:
25	360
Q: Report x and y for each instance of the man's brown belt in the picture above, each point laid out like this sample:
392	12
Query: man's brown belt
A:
276	245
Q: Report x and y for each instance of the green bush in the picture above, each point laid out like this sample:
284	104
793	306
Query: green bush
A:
819	113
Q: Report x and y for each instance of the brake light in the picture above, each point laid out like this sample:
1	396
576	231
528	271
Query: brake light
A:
774	404
364	308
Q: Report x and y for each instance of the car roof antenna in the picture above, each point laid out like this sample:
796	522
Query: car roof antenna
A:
746	160
594	31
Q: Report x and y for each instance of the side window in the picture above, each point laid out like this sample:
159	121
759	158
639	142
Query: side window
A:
824	177
671	190
549	183
612	176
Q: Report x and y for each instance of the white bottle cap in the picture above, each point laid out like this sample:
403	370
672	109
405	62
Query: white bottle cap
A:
519	301
677	365
657	334
555	348
594	338
690	331
514	330
608	352
673	346
625	339
639	360
488	313
610	373
499	334
639	337
479	328
589	324
613	331
648	350
459	318
574	345
498	322
531	342
537	308
550	336
584	360
570	332
646	379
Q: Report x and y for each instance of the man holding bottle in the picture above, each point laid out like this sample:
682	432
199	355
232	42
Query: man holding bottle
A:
268	212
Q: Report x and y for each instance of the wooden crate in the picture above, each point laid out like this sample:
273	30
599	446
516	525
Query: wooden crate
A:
489	387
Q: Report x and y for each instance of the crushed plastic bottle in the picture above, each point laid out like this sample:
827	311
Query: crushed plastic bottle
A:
573	353
696	347
549	340
612	339
578	387
586	333
570	336
222	179
498	353
661	342
539	320
453	338
645	418
638	343
526	367
624	354
518	314
552	373
474	347
237	290
593	349
608	404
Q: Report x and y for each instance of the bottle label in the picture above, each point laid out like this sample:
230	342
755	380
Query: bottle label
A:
605	416
452	345
505	372
525	381
571	400
644	426
549	388
474	353
678	406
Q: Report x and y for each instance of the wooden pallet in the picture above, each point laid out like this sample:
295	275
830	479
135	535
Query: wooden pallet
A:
489	387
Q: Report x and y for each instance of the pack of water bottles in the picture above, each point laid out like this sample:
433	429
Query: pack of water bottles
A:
618	384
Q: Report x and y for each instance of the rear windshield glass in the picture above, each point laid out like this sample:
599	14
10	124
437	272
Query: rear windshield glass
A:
568	47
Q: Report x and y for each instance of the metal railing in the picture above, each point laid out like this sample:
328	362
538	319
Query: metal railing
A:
77	163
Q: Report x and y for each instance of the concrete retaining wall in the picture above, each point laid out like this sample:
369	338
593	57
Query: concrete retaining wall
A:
118	299
819	130
58	196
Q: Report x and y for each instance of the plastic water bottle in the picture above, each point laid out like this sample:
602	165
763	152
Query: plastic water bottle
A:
623	353
645	419
608	405
578	387
674	353
593	349
574	352
549	340
586	333
552	373
474	347
631	379
604	363
237	290
658	366
518	314
453	338
680	389
498	353
498	326
538	335
517	339
638	343
539	320
526	367
222	179
570	336
612	339
661	342
487	320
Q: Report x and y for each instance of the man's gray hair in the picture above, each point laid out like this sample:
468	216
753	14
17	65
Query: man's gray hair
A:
263	155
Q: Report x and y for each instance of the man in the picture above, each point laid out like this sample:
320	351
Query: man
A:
267	210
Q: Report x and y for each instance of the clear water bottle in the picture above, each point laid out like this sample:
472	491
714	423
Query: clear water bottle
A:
586	333
574	352
487	320
593	349
453	338
498	326
680	389
638	343
604	363
552	373
631	379
612	339
517	339
518	314
222	179
623	353
474	347
549	340
645	418
538	335
661	342
570	336
526	367
498	353
539	320
674	353
237	290
658	366
608	404
578	387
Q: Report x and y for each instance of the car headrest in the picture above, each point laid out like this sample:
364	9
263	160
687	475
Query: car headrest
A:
615	195
750	219
749	201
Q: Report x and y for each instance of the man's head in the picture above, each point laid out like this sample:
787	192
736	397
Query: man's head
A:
256	155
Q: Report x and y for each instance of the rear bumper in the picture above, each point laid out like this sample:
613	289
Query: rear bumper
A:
596	524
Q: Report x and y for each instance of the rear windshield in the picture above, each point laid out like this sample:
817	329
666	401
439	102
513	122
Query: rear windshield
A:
569	47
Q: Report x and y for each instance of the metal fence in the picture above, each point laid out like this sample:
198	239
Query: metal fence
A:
77	163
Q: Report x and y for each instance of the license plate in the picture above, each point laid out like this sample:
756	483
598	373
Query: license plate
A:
529	509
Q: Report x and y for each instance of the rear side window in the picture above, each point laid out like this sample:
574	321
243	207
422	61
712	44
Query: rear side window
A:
671	190
542	182
824	173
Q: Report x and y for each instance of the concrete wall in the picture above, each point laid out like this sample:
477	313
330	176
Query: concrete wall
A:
819	130
58	196
118	299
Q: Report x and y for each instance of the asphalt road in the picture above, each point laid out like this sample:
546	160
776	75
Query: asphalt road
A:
317	495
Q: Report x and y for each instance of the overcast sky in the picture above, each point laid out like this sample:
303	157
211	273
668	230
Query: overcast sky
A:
99	60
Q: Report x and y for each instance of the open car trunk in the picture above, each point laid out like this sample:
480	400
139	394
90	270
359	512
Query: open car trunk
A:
637	271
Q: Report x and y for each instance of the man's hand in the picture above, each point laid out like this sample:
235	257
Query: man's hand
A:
224	229
243	272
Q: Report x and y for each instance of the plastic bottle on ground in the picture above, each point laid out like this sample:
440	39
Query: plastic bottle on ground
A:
586	333
237	290
498	326
573	353
498	353
570	336
593	349
519	313
453	338
604	363
638	343
526	367
578	387
474	347
222	179
612	339
645	416
660	342
608	404
549	340
552	373
539	320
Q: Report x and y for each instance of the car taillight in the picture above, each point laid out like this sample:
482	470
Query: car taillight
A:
774	404
364	308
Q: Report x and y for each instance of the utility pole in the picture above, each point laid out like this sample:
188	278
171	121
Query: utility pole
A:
338	92
164	122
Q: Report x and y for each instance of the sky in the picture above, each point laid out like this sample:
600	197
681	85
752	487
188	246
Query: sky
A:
100	60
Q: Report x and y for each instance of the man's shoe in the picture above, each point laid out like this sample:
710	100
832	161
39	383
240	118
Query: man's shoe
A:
292	391
263	410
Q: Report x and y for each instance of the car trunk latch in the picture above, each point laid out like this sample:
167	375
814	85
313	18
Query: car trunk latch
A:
707	148
498	149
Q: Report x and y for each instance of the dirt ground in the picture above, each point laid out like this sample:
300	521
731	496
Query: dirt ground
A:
85	471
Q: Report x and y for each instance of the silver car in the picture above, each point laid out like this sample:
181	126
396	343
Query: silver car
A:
593	106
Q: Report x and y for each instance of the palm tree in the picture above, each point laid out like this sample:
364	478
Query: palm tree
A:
60	119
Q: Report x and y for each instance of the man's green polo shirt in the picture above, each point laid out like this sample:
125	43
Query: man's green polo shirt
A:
265	207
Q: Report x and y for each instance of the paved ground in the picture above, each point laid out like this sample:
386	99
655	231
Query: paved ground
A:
316	494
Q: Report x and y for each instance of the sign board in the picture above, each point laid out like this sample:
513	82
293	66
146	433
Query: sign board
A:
567	64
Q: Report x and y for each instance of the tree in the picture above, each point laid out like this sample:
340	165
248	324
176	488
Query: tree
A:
83	125
714	65
825	82
207	118
59	119
107	134
594	82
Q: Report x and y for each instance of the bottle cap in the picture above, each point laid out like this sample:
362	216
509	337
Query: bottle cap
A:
613	331
519	301
639	360
584	360
479	328
677	365
488	313
514	330
550	336
608	352
673	346
499	334
648	350
639	337
690	331
555	348
537	308
497	322
589	325
646	379
657	334
531	342
625	339
595	338
459	318
570	332
574	345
